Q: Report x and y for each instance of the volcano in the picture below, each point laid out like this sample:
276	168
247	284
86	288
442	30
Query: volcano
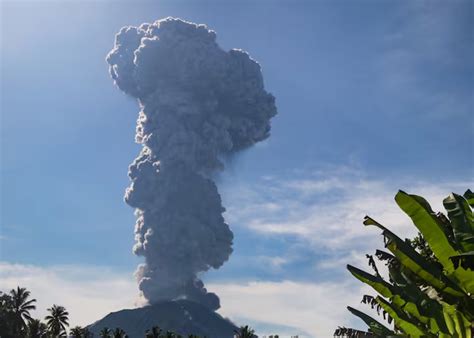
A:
181	316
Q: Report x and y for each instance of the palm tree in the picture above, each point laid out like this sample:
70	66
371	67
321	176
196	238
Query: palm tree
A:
37	329
77	332
57	320
105	332
21	308
119	333
155	332
244	332
6	315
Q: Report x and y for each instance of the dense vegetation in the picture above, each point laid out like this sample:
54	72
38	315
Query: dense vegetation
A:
431	278
16	322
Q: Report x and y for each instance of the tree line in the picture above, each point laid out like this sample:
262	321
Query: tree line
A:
17	322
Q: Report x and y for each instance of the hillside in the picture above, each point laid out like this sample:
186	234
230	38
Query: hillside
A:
182	316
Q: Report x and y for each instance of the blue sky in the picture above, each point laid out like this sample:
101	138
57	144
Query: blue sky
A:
373	96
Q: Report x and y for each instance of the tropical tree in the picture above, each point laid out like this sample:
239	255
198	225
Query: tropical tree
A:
430	287
21	307
77	332
105	332
245	332
37	329
57	320
119	333
169	334
155	332
6	315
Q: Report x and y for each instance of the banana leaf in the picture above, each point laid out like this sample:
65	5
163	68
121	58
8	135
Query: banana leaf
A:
458	325
421	308
423	217
415	262
469	196
462	220
434	233
375	326
404	300
376	282
407	325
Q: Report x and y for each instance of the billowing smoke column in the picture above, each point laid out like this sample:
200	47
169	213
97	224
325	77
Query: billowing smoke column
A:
198	103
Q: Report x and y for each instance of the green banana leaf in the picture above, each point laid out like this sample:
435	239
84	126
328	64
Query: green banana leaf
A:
425	310
434	233
430	315
402	300
469	196
458	325
375	326
408	326
423	217
416	311
376	282
415	262
462	220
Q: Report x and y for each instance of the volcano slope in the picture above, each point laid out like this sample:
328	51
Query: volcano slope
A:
181	316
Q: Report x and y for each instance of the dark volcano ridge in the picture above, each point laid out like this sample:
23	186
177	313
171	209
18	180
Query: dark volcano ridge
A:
180	316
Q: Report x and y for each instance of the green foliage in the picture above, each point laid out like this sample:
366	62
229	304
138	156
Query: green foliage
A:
37	329
76	332
57	320
245	332
155	332
431	278
375	326
105	333
16	322
119	333
21	307
80	332
6	315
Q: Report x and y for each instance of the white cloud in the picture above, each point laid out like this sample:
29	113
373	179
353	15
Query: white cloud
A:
326	210
315	308
274	263
88	293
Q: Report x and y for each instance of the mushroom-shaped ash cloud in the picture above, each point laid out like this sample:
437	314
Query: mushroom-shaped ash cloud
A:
198	103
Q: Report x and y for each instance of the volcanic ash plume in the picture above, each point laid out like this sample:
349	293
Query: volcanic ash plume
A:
198	103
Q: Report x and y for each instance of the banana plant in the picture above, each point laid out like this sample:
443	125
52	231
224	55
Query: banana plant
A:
424	296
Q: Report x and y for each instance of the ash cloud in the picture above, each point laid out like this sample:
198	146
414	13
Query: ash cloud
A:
197	103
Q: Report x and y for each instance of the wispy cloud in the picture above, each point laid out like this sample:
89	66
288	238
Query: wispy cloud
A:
327	209
88	293
323	211
273	262
314	309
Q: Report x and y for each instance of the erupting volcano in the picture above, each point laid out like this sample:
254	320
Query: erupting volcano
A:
198	104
